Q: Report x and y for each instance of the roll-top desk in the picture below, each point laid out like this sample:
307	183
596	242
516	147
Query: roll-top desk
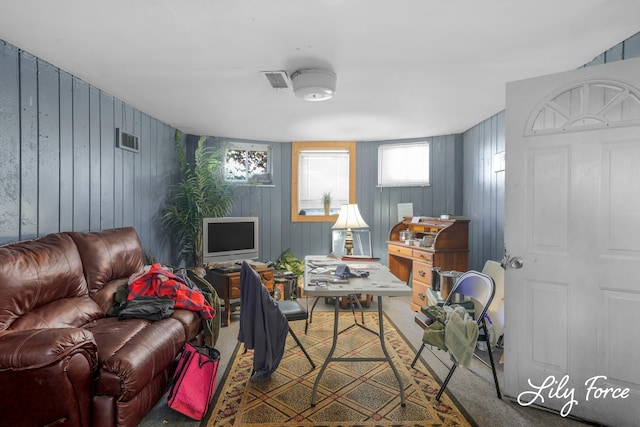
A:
414	264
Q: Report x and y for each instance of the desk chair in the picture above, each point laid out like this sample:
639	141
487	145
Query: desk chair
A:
293	311
264	325
480	288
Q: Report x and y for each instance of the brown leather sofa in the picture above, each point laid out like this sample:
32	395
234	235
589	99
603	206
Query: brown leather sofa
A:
62	360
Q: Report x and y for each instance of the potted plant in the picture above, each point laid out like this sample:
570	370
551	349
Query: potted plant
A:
326	202
201	192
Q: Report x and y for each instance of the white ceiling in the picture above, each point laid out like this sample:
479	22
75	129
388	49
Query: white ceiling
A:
406	68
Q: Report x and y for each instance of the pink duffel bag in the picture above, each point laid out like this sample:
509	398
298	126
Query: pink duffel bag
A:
194	381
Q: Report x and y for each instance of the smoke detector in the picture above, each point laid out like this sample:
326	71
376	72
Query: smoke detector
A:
314	84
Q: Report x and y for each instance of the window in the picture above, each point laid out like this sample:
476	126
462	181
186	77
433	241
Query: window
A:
250	163
319	168
403	165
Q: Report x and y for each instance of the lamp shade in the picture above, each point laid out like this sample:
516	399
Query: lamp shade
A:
349	218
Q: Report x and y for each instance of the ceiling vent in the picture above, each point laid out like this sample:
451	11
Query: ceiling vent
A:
314	84
277	79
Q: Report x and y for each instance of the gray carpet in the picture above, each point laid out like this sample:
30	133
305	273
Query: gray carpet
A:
473	388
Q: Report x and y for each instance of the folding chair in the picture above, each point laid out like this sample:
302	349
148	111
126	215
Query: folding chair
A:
264	324
293	311
480	288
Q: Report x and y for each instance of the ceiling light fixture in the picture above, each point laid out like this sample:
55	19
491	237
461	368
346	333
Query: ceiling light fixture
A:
314	84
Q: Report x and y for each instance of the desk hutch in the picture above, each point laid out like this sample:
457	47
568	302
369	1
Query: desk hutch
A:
414	264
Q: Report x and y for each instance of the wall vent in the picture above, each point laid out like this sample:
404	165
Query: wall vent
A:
127	141
277	79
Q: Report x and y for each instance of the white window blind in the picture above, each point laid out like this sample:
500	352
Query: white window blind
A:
403	165
319	172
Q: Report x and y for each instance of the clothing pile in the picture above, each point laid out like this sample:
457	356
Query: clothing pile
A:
155	280
156	290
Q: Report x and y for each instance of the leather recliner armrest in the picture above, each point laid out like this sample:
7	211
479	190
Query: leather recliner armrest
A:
32	349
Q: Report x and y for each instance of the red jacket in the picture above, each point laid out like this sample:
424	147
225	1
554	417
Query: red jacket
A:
155	280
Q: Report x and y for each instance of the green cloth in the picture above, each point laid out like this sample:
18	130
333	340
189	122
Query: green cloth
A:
212	326
451	329
460	335
434	332
119	300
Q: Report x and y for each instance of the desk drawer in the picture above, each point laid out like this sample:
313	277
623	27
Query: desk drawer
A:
234	286
419	296
400	250
234	283
422	272
267	279
423	256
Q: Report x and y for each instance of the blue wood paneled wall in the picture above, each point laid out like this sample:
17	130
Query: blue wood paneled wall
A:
378	206
483	192
61	169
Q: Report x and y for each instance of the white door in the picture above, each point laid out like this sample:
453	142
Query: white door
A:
572	312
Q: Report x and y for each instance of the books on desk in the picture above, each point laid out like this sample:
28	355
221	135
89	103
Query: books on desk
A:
359	258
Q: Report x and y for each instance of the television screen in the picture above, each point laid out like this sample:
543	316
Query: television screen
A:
229	239
229	236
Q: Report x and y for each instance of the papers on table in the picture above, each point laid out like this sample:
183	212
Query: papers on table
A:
392	284
364	266
321	280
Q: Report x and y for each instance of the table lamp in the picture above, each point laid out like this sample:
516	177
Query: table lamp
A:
349	218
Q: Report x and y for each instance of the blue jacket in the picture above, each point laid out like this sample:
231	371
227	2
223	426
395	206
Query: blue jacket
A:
263	327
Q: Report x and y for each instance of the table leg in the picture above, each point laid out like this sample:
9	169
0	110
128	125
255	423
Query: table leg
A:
226	316
330	355
386	353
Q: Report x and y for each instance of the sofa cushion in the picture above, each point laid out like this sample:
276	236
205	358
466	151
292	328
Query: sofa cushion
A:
190	320
108	255
63	313
36	273
106	296
132	352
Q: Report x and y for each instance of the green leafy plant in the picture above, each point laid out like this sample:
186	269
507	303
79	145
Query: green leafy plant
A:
326	199
201	192
289	262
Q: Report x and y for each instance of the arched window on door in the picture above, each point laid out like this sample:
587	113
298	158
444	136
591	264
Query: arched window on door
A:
590	105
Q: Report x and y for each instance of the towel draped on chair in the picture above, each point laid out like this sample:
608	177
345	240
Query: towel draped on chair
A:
452	330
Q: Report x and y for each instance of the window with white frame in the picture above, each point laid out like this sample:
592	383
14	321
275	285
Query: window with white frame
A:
403	165
246	162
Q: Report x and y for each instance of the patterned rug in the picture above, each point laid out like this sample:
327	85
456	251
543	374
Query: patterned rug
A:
349	394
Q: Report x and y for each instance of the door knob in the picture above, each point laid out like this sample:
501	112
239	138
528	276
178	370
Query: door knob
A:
508	261
515	262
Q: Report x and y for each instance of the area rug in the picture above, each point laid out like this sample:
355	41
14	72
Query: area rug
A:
350	394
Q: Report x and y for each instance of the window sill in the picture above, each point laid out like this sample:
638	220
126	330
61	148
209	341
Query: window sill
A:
246	184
